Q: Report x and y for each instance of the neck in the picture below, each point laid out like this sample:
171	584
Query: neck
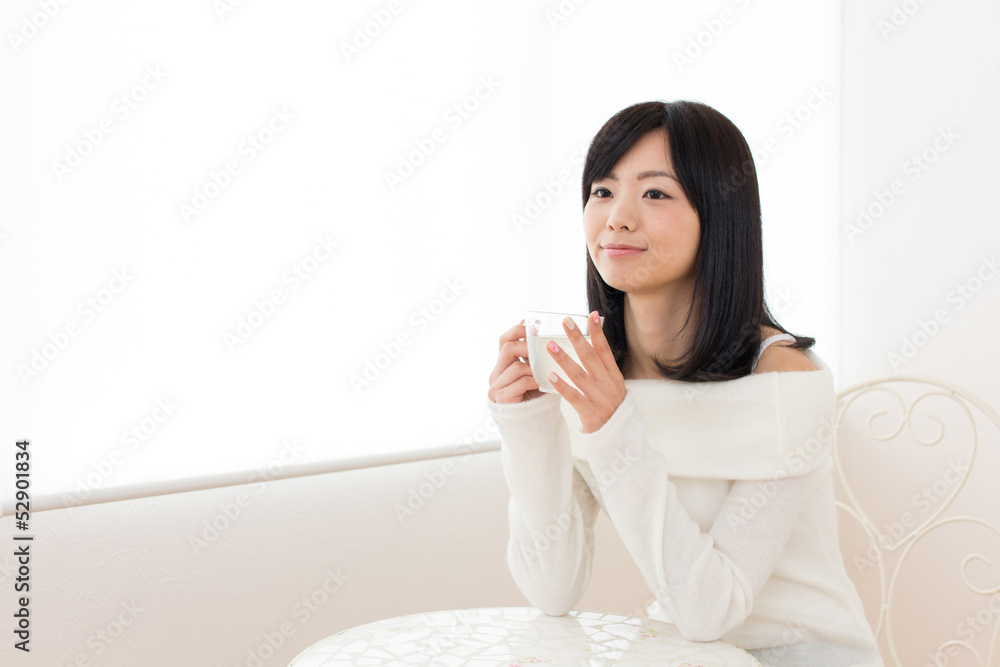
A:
653	324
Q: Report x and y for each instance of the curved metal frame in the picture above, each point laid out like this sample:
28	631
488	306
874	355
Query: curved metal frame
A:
963	398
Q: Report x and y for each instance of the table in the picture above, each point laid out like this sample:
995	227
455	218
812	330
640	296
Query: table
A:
509	636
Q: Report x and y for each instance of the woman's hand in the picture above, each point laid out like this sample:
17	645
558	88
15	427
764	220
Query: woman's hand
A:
601	383
511	380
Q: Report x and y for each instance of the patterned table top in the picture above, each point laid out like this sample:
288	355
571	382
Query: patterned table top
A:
516	636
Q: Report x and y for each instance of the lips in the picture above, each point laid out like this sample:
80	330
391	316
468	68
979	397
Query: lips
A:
621	246
621	250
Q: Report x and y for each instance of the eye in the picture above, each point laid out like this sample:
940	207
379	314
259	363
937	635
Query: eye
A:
596	190
661	195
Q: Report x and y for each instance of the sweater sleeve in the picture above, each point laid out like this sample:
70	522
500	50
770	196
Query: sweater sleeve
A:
708	581
551	509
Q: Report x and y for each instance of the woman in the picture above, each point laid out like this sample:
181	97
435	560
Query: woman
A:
701	426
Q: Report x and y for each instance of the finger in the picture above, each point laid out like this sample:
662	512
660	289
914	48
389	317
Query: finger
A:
523	384
588	356
511	352
516	332
511	382
570	368
600	343
515	390
571	395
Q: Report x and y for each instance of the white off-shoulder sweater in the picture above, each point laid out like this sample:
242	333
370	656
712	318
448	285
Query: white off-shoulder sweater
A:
721	492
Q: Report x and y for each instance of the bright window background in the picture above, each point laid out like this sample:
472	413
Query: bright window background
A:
437	260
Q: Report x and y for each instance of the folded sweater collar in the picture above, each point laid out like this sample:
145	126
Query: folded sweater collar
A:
761	426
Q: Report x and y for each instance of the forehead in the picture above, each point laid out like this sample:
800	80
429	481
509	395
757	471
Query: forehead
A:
651	150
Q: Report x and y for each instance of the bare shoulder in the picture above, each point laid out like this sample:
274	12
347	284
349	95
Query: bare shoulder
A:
778	357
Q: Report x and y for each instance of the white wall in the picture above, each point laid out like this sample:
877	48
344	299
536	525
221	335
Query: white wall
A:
924	77
127	571
430	270
937	71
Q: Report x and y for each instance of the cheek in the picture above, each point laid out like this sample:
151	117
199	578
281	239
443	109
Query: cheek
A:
695	234
691	243
676	236
688	229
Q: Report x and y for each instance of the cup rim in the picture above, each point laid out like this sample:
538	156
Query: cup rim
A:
584	316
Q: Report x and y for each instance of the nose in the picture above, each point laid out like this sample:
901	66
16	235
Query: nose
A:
622	216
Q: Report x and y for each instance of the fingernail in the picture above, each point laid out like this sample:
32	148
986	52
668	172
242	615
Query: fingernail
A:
553	378
570	324
596	318
553	346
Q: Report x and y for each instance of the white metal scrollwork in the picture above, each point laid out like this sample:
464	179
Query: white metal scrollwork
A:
887	588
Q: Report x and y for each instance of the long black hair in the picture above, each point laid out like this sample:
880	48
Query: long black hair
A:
715	169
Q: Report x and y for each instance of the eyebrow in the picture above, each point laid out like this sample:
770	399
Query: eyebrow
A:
646	174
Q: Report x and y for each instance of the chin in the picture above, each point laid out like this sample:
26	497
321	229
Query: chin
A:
617	282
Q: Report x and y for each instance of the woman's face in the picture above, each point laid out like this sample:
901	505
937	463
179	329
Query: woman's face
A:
641	204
